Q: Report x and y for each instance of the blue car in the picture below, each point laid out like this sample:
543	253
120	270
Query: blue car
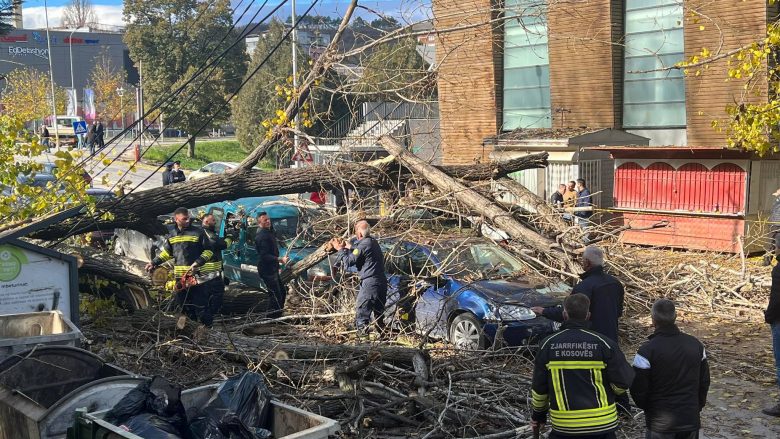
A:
463	290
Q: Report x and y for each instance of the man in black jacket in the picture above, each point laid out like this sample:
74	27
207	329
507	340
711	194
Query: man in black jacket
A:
772	316
773	241
212	270
578	375
604	291
268	264
672	378
166	175
177	175
557	197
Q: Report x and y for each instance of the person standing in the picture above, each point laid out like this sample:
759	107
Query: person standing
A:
772	316
366	256
166	175
189	248
212	270
268	265
577	375
605	292
45	138
91	138
672	378
99	135
584	200
177	175
570	200
773	245
557	197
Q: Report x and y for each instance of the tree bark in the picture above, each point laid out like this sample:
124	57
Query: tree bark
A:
473	200
138	211
191	147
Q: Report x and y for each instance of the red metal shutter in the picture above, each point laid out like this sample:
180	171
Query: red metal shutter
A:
691	181
628	185
660	186
728	188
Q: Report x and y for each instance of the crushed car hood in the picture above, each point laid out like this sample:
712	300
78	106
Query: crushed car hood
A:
518	293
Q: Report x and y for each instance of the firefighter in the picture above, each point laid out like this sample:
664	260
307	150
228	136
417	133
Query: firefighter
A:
212	270
577	375
366	256
189	248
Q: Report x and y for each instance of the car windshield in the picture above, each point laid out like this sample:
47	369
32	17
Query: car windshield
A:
285	228
480	259
66	121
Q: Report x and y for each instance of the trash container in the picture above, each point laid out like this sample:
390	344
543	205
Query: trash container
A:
20	332
41	389
287	422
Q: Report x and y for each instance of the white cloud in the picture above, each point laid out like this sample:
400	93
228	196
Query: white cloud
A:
35	18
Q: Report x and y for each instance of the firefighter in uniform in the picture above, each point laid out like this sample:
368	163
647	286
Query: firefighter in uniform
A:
366	256
188	247
577	375
212	270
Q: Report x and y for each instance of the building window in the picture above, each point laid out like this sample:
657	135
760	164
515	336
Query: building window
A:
654	40
526	66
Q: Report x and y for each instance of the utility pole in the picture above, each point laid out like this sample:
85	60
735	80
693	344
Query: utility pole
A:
51	78
141	103
295	76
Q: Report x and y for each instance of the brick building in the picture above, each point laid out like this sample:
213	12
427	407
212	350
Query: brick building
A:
518	76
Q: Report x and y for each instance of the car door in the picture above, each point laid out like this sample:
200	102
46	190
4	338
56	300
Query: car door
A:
431	294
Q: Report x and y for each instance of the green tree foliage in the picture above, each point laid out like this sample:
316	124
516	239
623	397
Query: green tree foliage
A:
395	70
27	95
172	39
267	91
21	200
7	15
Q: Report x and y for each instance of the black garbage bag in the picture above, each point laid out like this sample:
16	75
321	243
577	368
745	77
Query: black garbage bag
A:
239	410
150	426
156	397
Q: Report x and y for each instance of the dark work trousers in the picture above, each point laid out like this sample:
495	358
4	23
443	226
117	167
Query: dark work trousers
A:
216	288
773	239
678	435
194	302
370	299
555	435
276	295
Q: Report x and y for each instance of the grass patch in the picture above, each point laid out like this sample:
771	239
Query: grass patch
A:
205	152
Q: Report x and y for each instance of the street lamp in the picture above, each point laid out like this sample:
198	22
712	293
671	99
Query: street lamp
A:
121	92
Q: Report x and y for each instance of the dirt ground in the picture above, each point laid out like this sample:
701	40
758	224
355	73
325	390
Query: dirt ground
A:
742	375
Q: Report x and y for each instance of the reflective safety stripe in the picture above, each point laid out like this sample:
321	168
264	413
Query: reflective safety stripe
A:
178	270
576	364
574	414
540	402
599	382
182	238
556	379
210	267
164	255
584	421
590	421
207	254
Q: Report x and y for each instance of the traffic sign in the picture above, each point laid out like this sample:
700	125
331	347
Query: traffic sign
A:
80	127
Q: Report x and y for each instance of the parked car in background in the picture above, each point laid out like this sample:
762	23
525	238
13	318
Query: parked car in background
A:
51	168
463	290
212	168
64	129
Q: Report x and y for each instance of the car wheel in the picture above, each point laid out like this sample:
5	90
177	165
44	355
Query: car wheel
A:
466	332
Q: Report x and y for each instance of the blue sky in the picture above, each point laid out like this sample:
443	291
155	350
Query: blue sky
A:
110	11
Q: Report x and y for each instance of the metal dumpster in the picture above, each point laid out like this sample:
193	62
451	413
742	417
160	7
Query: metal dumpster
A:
287	422
20	332
41	389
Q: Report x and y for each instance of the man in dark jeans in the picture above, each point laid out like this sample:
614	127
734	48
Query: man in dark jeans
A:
773	241
672	378
772	316
268	264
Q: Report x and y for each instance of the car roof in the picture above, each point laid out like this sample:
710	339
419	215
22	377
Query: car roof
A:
233	164
254	205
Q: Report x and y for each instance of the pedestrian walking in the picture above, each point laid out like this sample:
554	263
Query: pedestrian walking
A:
177	175
91	133
773	242
189	248
605	292
99	135
366	256
45	138
577	375
584	200
772	316
212	270
672	378
268	264
166	175
557	197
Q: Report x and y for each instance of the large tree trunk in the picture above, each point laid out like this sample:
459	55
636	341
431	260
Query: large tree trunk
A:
473	200
191	147
138	211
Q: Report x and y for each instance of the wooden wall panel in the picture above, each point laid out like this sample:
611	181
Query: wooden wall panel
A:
732	24
469	77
